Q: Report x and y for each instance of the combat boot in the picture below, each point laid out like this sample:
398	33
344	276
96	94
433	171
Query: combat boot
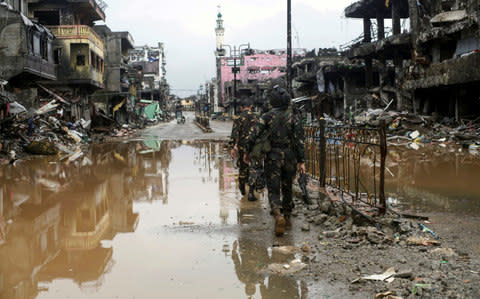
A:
279	222
251	195
241	187
288	222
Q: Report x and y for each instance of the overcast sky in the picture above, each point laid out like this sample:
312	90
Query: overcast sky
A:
187	29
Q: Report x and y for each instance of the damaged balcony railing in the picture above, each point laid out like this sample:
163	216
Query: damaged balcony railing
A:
350	159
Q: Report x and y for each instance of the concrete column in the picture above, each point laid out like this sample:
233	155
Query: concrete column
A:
382	70
380	28
414	25
398	77
396	17
367	33
368	72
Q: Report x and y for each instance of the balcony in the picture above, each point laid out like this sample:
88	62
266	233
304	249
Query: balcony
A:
449	72
77	32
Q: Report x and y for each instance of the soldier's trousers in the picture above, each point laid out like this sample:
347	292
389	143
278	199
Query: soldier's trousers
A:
243	169
280	169
249	174
256	176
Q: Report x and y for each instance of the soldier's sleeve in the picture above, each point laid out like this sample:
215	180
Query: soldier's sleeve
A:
299	139
234	135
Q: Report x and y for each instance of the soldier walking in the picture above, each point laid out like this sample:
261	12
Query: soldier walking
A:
242	127
287	152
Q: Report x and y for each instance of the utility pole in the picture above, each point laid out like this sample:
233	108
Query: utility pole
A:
235	80
237	53
289	47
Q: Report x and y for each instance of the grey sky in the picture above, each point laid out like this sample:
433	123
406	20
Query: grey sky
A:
187	29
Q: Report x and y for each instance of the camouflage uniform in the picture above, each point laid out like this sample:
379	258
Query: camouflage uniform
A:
287	142
242	127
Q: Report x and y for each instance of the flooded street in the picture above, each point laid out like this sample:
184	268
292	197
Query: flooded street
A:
137	219
162	218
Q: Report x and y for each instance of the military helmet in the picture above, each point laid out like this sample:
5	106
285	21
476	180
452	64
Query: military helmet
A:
247	102
279	97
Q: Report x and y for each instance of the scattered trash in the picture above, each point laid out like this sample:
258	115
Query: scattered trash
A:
286	269
415	240
16	108
427	230
387	276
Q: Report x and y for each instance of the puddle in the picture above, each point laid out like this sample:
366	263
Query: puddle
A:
434	179
133	220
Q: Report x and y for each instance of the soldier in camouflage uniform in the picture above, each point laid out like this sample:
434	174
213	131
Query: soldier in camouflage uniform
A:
242	126
287	152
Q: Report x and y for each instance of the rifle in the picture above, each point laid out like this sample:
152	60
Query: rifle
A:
302	182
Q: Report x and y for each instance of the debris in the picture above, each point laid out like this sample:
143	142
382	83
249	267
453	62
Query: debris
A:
73	134
415	240
447	252
49	107
16	108
386	276
286	250
427	230
286	269
387	295
407	274
41	148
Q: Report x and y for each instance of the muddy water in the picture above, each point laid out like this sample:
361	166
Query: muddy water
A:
147	219
435	179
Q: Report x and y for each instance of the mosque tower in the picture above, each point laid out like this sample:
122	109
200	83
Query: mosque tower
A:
220	32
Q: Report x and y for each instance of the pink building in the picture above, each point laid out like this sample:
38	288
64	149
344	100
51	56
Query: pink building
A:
256	66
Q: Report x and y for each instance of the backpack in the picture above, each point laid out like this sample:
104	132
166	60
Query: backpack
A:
262	145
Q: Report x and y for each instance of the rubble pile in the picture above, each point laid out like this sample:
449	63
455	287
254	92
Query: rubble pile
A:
414	130
40	132
44	131
398	254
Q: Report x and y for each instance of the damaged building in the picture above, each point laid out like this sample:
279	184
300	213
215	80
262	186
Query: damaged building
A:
78	51
26	51
117	99
443	74
427	66
151	61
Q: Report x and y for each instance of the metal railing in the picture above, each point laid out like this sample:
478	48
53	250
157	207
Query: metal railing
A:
350	159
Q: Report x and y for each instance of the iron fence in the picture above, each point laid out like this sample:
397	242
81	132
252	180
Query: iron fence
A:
350	159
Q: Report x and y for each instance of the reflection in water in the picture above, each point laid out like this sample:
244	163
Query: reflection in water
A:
434	179
251	255
55	213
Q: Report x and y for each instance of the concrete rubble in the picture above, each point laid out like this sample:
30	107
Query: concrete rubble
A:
396	256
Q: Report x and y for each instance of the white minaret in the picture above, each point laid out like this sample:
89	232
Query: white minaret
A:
220	32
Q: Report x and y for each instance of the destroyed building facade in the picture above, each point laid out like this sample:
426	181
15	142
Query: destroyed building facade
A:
429	67
26	53
118	96
78	51
152	61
